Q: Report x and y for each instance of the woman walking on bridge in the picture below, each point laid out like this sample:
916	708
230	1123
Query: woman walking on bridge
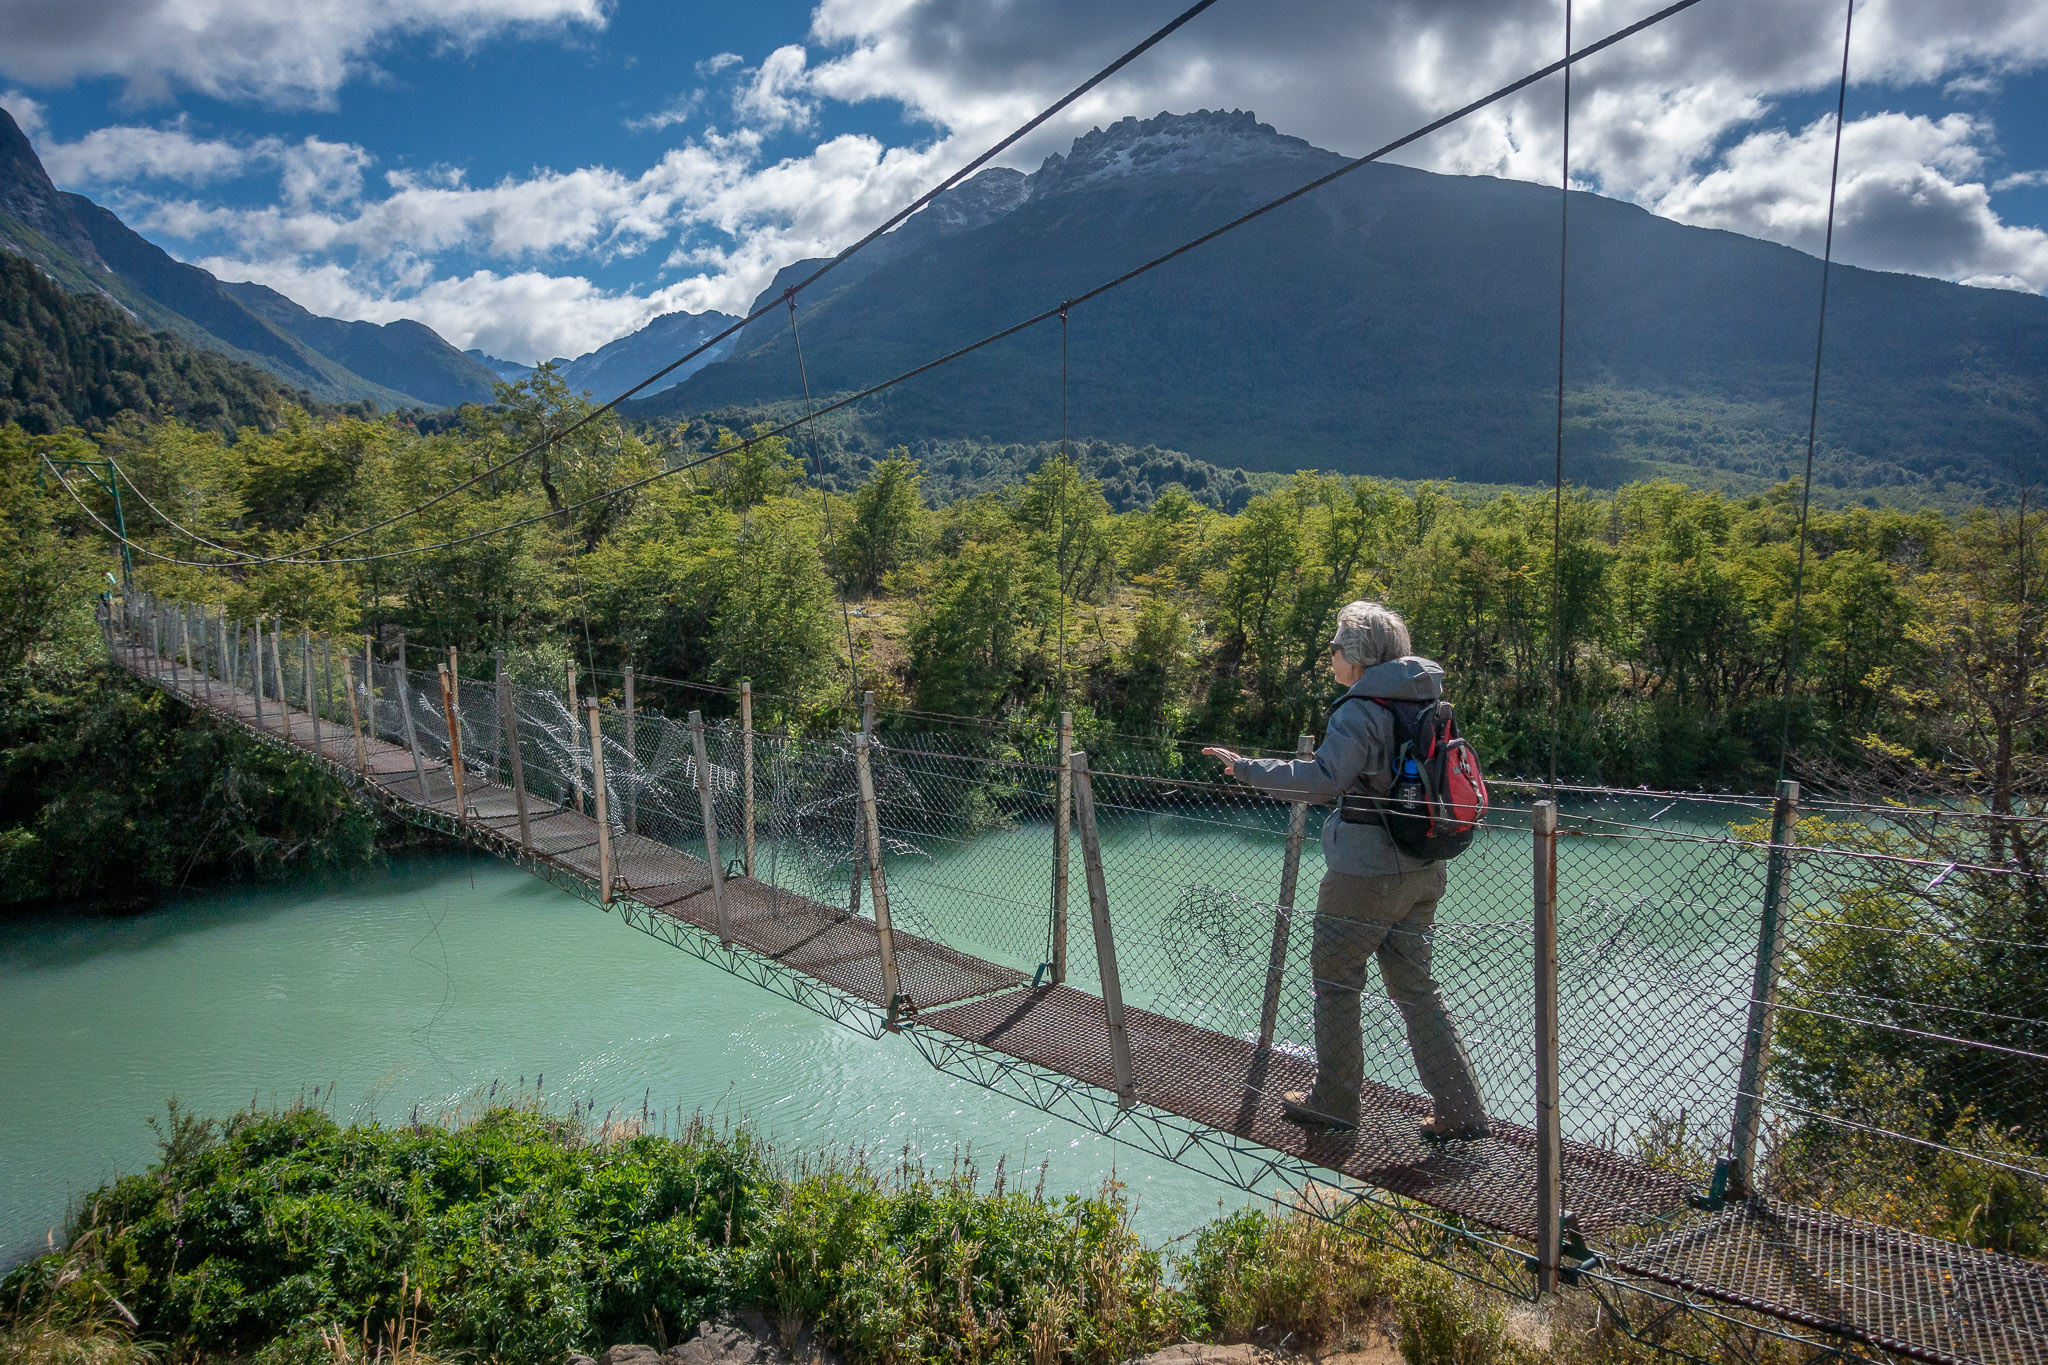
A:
1376	899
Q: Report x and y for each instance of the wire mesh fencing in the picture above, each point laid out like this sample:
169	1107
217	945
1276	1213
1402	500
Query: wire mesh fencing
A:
1874	979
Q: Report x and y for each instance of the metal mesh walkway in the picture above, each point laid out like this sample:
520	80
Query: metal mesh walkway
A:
1230	1084
1904	1294
1919	1296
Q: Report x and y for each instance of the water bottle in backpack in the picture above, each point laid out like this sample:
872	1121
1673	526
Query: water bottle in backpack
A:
1409	799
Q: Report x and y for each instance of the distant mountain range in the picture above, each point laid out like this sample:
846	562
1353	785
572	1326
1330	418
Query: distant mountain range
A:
1395	322
87	249
613	368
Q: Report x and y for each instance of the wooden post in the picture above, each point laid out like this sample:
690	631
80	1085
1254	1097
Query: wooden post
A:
326	671
185	639
370	683
632	762
885	937
860	847
1062	840
355	717
604	824
746	777
1283	909
1763	996
284	699
508	721
455	704
454	744
1549	1125
498	686
576	759
1105	944
306	667
705	801
412	738
256	668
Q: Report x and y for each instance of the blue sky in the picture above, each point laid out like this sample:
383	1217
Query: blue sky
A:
536	177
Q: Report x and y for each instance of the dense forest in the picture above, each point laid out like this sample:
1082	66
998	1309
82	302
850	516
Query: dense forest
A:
1661	658
74	360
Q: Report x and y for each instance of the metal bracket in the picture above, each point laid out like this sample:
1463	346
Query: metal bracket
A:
1038	977
901	1010
1716	1197
1575	1257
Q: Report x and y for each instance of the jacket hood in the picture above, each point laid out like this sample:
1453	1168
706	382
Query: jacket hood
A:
1410	678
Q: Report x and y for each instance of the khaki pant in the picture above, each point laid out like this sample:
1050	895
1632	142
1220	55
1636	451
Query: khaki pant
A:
1392	918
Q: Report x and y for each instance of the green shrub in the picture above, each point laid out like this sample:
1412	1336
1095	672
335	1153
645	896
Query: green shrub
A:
520	1236
1444	1322
1289	1281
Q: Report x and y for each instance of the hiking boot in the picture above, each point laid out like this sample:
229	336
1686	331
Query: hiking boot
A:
1443	1130
1304	1108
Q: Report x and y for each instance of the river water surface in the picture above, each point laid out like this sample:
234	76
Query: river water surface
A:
421	985
418	987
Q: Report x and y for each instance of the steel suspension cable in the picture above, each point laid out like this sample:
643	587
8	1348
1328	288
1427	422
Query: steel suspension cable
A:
1026	324
1564	210
1820	332
895	220
169	520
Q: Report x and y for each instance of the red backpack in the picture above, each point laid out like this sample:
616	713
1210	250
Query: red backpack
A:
1435	811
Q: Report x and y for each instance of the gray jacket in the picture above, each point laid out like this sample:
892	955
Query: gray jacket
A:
1356	755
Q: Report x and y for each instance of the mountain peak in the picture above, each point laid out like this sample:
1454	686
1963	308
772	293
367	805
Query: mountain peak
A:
27	195
1206	140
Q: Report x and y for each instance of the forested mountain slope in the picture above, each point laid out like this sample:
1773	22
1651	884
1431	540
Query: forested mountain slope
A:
88	249
77	360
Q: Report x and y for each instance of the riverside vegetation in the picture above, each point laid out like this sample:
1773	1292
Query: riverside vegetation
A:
1667	629
520	1236
1666	636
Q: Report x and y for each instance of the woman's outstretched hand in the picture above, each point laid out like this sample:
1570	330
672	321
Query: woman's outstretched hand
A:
1230	757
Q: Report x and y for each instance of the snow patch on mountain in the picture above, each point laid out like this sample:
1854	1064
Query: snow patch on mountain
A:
1204	142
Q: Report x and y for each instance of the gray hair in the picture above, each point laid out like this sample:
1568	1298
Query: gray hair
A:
1369	634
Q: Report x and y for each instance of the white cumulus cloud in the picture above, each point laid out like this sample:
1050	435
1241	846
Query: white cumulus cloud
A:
526	316
779	94
126	153
287	54
749	220
1911	198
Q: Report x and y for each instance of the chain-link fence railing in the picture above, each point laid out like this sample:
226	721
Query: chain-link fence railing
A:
1841	1008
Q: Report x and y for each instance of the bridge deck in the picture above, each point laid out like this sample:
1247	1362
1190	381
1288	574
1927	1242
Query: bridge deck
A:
1915	1296
1228	1084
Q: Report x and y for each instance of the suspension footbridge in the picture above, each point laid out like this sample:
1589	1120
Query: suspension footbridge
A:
1613	975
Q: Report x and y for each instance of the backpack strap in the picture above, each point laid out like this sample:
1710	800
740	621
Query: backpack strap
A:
1364	807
